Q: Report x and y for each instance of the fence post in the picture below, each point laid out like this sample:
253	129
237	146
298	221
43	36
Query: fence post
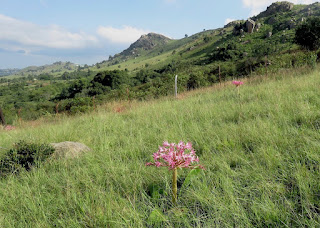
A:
19	114
94	103
57	108
176	86
3	121
220	75
128	94
266	64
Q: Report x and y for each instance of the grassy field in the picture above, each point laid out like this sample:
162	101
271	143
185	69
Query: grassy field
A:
261	153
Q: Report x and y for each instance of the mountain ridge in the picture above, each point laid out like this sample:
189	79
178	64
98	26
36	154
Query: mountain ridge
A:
158	50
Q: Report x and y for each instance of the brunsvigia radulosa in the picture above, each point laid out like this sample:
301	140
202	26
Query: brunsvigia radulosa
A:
175	156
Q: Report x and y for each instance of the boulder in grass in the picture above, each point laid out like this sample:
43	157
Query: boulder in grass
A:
69	149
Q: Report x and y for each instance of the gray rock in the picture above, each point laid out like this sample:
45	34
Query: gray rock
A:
291	24
309	12
250	24
257	27
69	149
269	34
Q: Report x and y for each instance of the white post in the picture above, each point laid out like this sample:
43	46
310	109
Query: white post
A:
176	86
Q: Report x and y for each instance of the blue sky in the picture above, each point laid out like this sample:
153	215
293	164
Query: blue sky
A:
38	32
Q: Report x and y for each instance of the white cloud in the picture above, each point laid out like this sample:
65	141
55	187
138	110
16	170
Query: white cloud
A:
125	35
16	34
228	20
258	6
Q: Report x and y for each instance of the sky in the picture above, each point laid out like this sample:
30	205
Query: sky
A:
39	32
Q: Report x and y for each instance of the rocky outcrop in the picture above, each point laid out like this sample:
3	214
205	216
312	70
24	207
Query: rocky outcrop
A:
69	149
145	42
275	8
233	23
250	24
311	10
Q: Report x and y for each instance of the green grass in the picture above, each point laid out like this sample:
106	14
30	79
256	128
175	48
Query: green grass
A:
262	162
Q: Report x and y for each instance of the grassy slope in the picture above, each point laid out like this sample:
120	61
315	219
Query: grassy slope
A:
163	55
260	171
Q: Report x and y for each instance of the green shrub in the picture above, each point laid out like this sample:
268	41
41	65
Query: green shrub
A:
24	156
308	34
76	105
197	80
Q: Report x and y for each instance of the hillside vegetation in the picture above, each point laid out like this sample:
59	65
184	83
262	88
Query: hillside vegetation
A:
57	68
150	63
261	45
261	155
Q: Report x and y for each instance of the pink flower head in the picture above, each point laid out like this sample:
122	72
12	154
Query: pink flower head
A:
237	83
9	128
175	156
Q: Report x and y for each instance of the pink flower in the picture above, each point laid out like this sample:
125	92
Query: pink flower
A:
237	83
165	143
9	128
189	146
175	156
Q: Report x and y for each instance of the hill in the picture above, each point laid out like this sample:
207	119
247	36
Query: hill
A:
272	34
261	159
260	45
57	68
6	72
142	45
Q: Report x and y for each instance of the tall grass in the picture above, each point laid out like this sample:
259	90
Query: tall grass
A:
261	171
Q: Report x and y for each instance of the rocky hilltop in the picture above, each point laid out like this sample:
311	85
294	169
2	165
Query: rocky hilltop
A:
145	43
276	7
148	42
281	8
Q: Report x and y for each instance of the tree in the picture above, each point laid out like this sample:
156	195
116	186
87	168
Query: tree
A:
308	34
74	89
109	80
3	122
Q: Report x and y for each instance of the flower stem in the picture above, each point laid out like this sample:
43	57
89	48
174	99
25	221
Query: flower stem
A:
174	186
240	108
